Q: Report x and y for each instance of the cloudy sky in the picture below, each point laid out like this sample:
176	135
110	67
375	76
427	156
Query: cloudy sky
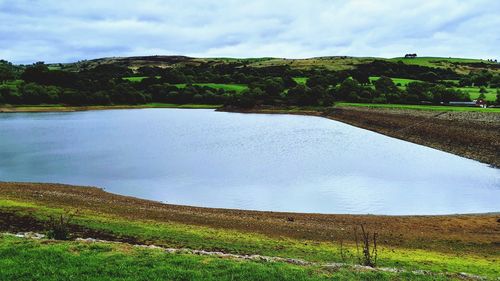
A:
65	31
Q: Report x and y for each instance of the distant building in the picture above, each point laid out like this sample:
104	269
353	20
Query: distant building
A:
478	103
410	56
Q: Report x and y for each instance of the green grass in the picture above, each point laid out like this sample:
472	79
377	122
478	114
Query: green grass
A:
227	87
421	107
23	259
137	78
491	94
12	84
60	107
300	80
402	81
179	235
435	61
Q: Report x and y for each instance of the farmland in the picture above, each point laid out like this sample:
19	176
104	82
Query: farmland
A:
227	87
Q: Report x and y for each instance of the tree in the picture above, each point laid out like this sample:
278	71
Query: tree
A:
6	71
495	81
384	85
348	88
362	77
429	76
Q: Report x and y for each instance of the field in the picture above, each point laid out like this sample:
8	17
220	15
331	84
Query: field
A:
135	78
226	87
134	221
491	94
300	80
436	61
402	81
12	84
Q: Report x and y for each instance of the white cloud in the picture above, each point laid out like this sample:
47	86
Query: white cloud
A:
61	31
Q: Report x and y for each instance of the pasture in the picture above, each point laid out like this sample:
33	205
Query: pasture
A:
227	87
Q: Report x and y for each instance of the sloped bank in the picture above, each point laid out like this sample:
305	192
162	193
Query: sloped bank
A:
474	135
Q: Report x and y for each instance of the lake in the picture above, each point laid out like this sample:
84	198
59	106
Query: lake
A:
246	161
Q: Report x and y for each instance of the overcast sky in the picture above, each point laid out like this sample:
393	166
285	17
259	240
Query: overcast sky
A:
67	30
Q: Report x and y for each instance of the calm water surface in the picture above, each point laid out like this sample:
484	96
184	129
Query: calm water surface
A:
246	161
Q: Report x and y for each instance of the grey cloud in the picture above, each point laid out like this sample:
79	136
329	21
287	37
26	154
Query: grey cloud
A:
61	31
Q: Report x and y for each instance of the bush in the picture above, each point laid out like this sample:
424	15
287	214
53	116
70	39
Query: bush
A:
59	227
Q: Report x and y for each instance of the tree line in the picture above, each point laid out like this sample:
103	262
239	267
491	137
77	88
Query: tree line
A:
275	85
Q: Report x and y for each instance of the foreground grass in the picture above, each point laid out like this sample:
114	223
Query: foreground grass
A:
421	107
178	235
23	259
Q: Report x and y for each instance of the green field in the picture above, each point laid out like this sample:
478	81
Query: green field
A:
12	84
402	81
300	80
227	87
435	61
421	107
491	94
136	78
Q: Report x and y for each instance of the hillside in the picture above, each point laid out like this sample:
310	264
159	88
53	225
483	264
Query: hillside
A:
459	65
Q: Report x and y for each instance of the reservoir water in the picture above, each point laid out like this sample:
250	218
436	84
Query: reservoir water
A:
245	161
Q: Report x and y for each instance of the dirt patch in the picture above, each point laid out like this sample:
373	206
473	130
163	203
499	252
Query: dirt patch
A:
13	222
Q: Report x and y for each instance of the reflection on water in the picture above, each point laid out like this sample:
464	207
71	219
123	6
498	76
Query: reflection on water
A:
248	161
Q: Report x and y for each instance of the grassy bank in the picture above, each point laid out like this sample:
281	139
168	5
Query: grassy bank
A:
240	232
64	108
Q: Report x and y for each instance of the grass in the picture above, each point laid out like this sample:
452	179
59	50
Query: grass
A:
300	80
421	107
227	87
491	94
170	234
12	84
35	260
435	61
402	81
60	107
137	78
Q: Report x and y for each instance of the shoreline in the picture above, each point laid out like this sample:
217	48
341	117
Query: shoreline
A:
57	108
458	232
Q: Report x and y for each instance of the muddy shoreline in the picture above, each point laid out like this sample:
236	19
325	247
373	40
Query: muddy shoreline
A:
474	233
474	135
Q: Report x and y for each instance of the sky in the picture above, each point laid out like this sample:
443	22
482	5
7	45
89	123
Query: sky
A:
67	31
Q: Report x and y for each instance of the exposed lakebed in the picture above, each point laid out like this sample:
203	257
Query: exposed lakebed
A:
244	161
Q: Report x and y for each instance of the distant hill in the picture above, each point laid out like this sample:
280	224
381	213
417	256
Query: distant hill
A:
459	65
